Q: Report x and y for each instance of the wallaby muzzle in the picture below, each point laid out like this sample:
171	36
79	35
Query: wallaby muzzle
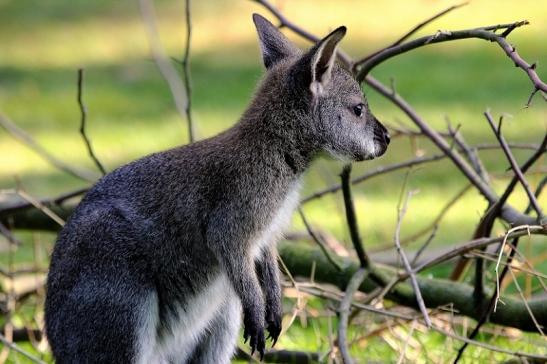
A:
381	138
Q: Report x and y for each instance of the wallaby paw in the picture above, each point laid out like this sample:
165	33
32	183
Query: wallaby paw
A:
273	322
254	330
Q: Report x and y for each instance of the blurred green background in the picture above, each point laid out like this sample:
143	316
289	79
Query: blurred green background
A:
131	113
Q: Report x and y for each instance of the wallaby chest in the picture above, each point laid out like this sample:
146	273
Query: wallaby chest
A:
278	217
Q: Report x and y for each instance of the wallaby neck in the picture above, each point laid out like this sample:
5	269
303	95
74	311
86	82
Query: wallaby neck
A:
273	134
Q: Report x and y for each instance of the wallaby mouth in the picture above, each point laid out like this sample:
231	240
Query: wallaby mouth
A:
381	138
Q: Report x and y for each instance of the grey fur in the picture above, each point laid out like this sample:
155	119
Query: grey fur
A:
162	254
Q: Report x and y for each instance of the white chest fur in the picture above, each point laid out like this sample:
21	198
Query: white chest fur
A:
280	220
187	326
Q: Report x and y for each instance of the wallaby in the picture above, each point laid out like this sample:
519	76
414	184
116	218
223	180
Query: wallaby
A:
164	256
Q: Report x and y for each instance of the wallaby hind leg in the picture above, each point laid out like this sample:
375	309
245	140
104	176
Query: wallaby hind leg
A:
97	321
218	342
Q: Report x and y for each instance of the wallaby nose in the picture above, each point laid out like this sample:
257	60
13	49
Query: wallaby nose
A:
382	133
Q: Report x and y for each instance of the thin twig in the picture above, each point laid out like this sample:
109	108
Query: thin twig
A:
525	301
518	266
494	210
489	309
516	353
27	140
380	170
332	295
409	336
163	63
83	119
186	71
16	348
538	191
344	310
9	208
514	164
481	33
425	245
319	242
8	235
373	173
410	33
406	263
437	220
470	153
462	248
509	214
40	206
524	168
496	269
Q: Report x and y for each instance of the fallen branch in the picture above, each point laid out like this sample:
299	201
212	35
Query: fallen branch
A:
436	292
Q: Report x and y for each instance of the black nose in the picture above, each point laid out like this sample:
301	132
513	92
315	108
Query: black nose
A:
381	133
387	138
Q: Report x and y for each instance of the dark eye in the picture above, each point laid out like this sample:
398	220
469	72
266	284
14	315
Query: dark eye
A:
358	109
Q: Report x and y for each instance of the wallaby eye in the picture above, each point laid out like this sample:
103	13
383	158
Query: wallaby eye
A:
358	109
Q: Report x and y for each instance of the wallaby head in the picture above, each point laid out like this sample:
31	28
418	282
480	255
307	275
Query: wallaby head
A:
328	110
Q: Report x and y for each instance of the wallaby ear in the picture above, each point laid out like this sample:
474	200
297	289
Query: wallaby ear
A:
323	56
274	45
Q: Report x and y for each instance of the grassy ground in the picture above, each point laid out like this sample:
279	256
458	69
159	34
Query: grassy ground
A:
131	112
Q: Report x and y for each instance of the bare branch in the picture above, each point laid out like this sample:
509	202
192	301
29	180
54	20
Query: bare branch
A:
425	245
352	218
486	33
470	153
41	207
83	118
186	71
514	165
525	301
163	63
16	348
462	248
8	235
319	241
10	208
400	165
437	220
27	140
487	221
409	33
538	191
344	311
508	213
406	263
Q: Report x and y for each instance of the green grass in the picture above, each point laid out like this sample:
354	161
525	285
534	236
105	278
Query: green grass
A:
131	112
